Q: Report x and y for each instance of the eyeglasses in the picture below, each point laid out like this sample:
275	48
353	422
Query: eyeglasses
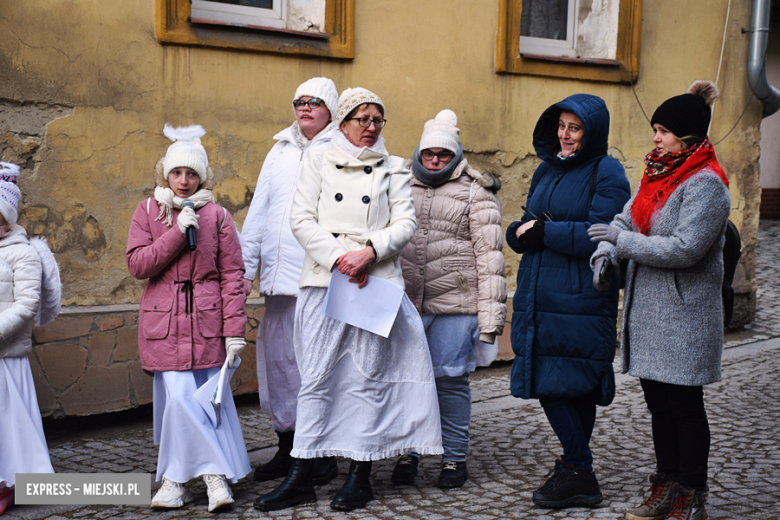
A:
445	156
365	122
313	103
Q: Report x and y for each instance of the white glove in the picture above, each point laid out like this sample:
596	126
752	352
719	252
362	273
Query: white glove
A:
187	218
234	346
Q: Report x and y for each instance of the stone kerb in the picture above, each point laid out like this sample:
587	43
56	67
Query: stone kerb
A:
86	361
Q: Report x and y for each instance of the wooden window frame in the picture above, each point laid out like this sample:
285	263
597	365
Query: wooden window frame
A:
508	58
173	27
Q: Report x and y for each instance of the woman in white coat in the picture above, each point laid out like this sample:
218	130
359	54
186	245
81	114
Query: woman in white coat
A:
23	447
268	241
363	396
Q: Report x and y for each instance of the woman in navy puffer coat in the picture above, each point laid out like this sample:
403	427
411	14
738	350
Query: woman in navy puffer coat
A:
563	329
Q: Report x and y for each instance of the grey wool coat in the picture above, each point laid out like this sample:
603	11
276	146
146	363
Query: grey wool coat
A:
672	327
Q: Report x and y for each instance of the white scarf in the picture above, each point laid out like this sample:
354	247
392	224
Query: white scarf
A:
167	201
355	151
301	141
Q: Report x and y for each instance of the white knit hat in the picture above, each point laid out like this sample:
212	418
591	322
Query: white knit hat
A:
186	151
441	132
354	97
322	88
10	194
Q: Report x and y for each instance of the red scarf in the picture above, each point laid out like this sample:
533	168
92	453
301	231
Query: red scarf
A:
664	174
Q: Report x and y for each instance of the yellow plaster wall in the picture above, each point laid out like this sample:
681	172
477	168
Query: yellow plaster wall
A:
102	61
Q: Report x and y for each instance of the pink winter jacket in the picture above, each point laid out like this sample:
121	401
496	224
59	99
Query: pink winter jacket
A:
454	264
181	326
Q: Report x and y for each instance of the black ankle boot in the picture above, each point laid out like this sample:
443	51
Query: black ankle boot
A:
356	491
279	466
296	489
325	470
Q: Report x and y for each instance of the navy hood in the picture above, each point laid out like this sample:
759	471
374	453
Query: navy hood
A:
595	119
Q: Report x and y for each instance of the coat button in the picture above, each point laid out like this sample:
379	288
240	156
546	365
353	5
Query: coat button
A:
339	167
155	306
422	271
380	163
429	194
188	365
339	196
215	305
425	231
368	169
366	199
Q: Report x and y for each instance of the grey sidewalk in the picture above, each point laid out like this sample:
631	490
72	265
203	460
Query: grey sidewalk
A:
513	447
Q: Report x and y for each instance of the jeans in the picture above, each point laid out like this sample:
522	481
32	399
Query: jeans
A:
455	409
573	420
681	432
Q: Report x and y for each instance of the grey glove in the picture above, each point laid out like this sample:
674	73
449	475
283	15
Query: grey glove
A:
603	272
603	233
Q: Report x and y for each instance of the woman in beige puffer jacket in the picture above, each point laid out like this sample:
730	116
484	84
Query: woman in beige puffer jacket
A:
454	274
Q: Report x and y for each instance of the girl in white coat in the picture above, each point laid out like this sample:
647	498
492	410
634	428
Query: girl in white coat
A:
23	446
268	240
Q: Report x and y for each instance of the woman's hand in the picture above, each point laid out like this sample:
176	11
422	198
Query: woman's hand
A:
603	233
187	218
525	227
355	264
247	286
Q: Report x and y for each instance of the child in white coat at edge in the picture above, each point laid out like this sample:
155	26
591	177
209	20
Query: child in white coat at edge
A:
191	318
23	446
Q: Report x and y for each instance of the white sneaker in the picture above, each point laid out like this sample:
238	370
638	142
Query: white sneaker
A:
219	491
171	495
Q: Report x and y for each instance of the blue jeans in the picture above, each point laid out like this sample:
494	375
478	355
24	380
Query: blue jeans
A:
573	420
455	409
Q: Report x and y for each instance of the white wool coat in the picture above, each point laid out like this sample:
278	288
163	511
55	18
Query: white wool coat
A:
20	293
344	203
267	239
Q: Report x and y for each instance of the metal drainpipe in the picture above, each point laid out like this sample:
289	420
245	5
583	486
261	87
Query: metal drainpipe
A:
756	65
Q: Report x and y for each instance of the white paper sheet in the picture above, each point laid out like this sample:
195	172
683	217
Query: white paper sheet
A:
211	395
372	308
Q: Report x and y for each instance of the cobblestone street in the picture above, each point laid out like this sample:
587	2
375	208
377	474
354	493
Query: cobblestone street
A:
512	445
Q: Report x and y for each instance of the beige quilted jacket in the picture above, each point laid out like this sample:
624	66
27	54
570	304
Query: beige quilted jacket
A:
454	264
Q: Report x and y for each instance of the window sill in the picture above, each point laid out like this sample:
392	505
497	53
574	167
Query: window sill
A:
573	61
261	28
173	26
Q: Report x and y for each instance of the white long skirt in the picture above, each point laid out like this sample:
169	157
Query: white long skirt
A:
190	446
278	379
363	396
23	447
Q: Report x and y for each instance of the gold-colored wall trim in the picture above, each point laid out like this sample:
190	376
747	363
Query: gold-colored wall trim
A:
173	27
508	58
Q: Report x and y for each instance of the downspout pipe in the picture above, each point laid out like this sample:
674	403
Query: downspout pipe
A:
756	65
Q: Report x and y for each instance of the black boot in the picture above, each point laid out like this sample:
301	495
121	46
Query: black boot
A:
279	466
568	486
325	470
356	491
296	489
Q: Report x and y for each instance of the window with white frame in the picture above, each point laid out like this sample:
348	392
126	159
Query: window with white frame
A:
306	16
569	28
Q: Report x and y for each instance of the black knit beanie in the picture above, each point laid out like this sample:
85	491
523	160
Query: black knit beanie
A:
688	115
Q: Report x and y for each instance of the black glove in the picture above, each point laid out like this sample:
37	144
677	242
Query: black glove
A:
534	238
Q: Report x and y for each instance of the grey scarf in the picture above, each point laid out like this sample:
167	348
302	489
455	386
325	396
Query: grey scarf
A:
439	177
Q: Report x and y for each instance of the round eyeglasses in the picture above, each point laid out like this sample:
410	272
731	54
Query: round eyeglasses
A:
313	103
365	122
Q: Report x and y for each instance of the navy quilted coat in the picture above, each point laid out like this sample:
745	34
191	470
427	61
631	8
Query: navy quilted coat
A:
563	329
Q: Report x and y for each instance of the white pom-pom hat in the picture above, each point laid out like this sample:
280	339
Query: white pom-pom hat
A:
322	88
352	98
10	194
186	150
441	132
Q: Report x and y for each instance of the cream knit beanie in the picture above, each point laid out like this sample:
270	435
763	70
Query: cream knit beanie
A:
322	88
441	132
10	194
353	98
186	150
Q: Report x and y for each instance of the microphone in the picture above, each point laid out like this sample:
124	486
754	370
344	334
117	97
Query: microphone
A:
187	203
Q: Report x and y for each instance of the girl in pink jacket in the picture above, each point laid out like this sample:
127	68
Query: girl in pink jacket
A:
191	320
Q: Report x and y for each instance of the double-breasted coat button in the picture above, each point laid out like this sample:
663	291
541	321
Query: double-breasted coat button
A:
366	199
339	196
339	167
368	169
380	163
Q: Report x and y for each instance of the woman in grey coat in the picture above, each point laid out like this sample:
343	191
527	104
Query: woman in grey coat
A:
672	233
